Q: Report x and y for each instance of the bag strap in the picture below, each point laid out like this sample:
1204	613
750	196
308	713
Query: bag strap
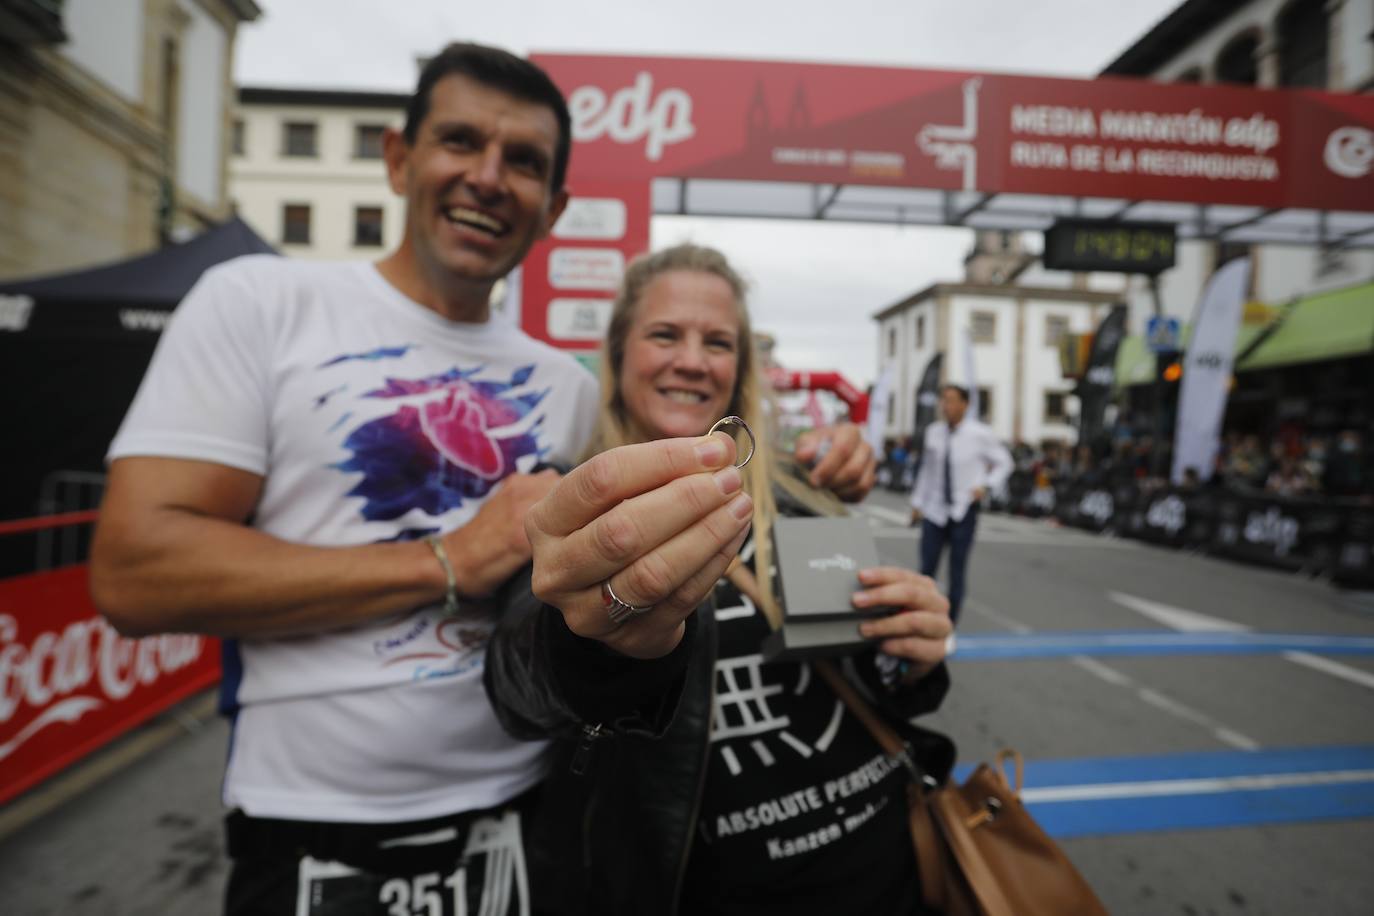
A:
930	864
744	579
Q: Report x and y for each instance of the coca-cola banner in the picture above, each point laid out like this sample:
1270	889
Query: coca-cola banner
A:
69	683
644	117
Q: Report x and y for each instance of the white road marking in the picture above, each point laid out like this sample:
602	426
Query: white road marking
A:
912	534
1187	621
1236	739
1166	787
886	514
1335	669
1153	697
1176	618
1110	675
997	617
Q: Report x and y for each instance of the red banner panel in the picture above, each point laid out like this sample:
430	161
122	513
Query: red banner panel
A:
69	683
569	280
644	117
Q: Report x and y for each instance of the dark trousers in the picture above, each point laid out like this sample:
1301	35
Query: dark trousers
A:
959	536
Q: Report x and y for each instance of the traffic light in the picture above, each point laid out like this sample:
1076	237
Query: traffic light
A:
1169	366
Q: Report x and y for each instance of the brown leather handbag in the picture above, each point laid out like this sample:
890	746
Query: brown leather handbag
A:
978	851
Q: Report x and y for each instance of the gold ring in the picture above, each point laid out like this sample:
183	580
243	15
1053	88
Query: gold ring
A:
736	421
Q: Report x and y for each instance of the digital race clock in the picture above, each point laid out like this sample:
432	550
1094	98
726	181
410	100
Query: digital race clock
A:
1136	248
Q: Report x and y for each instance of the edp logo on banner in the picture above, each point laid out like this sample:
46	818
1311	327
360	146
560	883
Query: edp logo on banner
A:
632	114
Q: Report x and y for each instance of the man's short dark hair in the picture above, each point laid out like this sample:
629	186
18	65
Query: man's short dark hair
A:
501	70
959	390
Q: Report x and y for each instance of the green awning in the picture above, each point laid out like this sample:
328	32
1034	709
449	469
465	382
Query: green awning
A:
1319	327
1135	364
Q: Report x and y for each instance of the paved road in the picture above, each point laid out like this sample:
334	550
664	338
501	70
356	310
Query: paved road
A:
1180	783
1236	781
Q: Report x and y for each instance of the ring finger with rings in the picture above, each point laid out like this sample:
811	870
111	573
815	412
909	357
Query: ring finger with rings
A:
619	611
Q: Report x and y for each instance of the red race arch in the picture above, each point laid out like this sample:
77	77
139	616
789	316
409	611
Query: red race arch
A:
794	380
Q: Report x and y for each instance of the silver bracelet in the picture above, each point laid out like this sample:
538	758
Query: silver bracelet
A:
436	544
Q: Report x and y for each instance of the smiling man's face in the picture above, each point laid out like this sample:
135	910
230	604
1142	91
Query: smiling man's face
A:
477	181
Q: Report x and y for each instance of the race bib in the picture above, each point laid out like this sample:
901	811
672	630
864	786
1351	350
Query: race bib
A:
490	878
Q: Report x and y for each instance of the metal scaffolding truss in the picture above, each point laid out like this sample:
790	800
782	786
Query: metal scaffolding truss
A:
1332	229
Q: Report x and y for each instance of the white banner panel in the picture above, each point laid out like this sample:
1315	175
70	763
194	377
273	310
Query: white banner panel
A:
1207	370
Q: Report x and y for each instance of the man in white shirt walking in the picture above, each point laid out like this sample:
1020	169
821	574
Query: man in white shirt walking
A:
960	462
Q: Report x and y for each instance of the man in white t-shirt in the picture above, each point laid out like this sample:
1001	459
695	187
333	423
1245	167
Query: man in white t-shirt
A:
328	465
961	461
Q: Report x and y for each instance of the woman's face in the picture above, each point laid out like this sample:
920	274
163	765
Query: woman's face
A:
681	355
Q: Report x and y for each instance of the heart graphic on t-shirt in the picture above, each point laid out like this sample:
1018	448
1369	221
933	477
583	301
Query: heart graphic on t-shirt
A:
458	429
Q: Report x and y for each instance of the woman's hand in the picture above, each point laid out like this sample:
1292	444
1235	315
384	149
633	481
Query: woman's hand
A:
659	520
919	628
843	462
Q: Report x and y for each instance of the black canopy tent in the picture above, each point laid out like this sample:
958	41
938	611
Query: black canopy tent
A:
73	348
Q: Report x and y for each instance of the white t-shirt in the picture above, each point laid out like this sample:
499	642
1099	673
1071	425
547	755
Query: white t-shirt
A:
371	418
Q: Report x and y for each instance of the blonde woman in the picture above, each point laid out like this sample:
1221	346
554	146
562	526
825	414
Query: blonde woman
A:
699	779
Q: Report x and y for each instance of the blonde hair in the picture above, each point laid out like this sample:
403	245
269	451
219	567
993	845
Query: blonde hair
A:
615	427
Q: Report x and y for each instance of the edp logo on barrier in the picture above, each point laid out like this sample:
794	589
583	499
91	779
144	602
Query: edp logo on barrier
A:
1274	528
1097	505
1168	513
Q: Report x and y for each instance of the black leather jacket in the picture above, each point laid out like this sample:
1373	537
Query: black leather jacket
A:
615	824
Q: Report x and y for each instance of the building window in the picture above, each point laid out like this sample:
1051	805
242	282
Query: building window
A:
367	141
298	139
1229	251
985	404
984	327
1056	407
891	411
295	224
920	332
237	137
1302	57
891	342
367	226
1056	326
1236	63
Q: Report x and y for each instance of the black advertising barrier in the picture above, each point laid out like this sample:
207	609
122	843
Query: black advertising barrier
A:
1289	534
1024	498
1355	556
1310	535
1093	507
1172	517
1019	487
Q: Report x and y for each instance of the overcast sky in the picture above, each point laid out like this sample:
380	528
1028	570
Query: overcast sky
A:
815	285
